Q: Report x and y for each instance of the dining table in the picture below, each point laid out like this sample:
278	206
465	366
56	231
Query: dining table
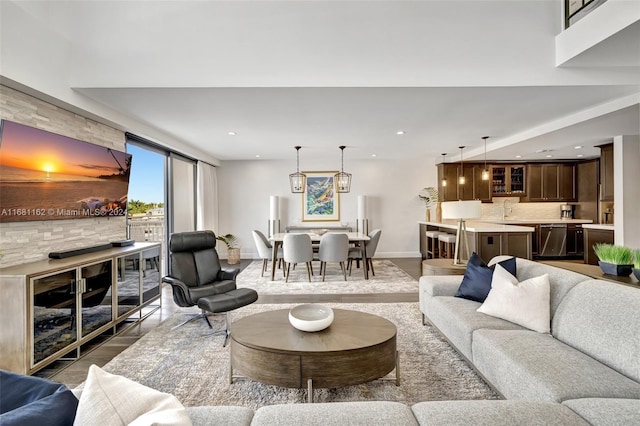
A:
357	238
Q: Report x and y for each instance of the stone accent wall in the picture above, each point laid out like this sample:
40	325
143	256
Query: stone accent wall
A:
23	242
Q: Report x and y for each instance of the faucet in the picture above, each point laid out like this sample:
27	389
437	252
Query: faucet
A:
505	208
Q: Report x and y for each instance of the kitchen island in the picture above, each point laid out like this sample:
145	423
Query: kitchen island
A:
485	238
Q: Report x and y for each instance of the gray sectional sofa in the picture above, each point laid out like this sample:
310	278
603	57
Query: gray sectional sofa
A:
587	371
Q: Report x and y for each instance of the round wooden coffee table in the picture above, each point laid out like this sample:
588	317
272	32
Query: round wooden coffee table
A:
358	347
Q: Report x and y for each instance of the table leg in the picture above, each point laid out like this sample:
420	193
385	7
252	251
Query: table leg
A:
397	368
231	372
365	264
310	390
274	259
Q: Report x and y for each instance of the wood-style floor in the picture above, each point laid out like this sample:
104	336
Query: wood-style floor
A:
74	372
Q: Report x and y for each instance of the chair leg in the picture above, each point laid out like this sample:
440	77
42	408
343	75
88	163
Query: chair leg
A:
264	267
371	266
344	270
286	275
309	270
193	317
226	330
323	269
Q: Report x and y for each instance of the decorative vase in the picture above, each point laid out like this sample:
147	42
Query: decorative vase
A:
233	255
613	269
438	212
428	214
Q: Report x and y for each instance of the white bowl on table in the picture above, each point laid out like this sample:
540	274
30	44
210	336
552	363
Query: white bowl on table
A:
311	317
319	231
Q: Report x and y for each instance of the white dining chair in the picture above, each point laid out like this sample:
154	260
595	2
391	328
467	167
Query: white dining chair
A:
333	248
296	248
355	253
265	249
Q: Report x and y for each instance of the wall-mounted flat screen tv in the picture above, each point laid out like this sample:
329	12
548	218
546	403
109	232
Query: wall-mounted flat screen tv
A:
46	176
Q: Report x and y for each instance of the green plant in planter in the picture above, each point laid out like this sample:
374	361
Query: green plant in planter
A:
614	260
636	258
233	249
229	239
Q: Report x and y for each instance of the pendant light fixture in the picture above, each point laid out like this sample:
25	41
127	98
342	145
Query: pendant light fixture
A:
485	172
443	182
343	180
297	180
461	179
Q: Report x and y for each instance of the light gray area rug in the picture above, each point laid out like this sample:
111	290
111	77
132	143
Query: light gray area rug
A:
192	365
388	279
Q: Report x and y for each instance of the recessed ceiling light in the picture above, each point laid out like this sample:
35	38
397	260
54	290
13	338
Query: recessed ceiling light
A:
580	155
549	156
374	155
257	155
578	147
400	132
231	133
518	156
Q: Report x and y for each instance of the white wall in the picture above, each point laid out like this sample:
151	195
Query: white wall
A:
391	188
626	175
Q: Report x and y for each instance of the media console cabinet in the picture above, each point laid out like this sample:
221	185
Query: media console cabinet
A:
50	308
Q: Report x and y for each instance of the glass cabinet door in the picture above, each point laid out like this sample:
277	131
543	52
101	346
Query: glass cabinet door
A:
54	324
150	265
516	180
499	180
128	283
97	298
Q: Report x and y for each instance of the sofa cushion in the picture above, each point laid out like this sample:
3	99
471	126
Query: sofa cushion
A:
523	364
109	399
607	411
525	303
560	280
27	400
339	413
457	319
476	282
494	413
220	415
602	319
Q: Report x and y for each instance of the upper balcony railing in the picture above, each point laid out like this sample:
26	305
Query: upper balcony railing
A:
574	10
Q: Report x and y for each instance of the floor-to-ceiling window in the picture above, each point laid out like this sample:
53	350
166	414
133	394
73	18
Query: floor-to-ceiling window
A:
146	219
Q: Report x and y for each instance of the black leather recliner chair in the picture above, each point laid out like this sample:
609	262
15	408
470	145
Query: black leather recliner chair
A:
197	278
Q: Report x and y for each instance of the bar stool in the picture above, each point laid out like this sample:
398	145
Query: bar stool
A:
432	244
447	243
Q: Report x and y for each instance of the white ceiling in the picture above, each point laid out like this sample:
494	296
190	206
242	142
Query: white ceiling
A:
328	73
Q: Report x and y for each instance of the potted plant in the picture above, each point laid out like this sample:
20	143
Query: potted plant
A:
233	249
636	263
614	260
429	197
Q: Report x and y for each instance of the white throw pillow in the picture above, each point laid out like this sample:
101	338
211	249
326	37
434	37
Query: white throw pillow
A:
108	399
527	303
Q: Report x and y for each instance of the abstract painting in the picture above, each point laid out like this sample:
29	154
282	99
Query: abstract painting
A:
320	201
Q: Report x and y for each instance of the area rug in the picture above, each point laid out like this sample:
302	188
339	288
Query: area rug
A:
388	279
191	364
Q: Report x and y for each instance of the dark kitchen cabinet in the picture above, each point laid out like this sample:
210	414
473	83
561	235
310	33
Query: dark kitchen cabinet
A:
535	239
551	182
448	171
575	240
593	236
508	180
606	172
474	187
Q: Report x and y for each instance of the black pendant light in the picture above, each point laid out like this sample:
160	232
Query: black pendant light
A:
297	180
461	179
343	180
485	172
443	182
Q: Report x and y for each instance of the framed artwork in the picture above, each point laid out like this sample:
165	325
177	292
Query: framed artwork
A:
320	201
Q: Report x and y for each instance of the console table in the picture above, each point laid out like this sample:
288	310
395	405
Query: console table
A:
309	228
50	308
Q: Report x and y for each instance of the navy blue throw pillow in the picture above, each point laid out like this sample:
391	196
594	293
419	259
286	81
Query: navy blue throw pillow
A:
477	278
32	401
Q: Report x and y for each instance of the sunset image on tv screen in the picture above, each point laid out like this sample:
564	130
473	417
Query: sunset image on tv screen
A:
46	176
